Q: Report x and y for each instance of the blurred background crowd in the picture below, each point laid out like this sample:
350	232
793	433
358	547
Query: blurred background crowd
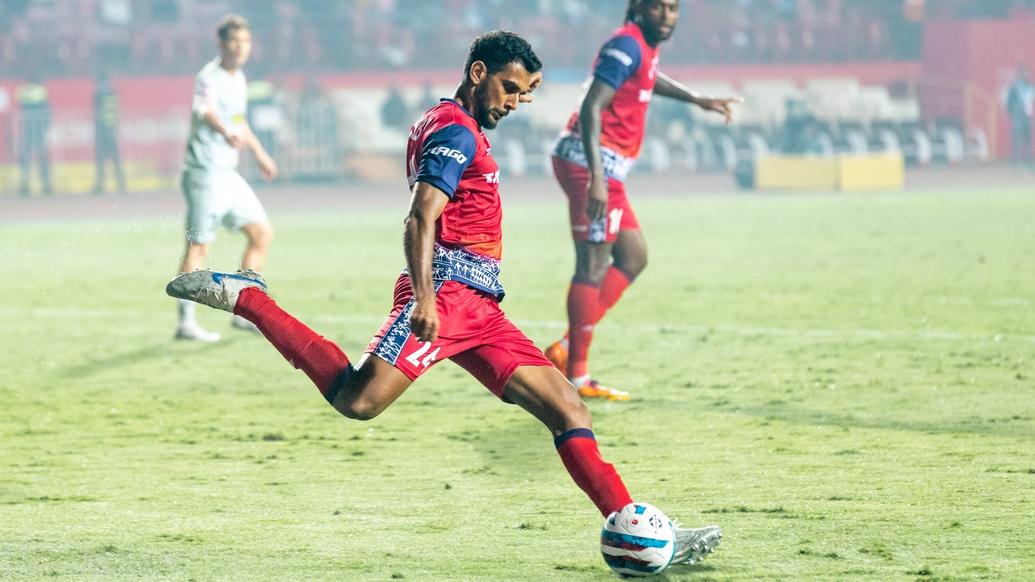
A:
336	82
76	37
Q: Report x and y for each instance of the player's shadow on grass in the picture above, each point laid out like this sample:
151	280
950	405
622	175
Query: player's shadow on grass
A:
150	352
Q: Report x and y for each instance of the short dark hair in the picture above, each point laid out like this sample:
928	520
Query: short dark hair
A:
230	24
499	48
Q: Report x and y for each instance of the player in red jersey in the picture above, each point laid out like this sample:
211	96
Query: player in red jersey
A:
591	160
447	299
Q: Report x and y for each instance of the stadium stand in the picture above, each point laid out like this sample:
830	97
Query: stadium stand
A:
75	37
814	59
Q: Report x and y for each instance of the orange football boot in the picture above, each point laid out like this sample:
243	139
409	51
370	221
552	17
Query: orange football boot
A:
594	389
557	353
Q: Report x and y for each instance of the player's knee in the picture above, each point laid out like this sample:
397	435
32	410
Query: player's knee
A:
360	409
592	274
579	416
634	265
572	413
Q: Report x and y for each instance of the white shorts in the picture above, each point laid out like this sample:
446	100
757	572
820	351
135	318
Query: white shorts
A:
218	197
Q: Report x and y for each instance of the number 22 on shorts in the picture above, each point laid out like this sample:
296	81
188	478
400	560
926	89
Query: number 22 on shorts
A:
415	358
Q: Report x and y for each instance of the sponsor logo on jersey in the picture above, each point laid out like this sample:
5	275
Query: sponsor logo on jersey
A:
619	56
449	153
645	95
492	177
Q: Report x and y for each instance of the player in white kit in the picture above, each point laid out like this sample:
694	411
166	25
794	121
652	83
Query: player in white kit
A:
216	193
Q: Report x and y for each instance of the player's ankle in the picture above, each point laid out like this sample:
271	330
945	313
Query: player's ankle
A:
579	380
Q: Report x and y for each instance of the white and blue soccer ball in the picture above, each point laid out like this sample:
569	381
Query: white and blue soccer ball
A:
638	540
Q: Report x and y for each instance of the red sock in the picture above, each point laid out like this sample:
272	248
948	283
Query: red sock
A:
598	478
583	307
615	283
321	360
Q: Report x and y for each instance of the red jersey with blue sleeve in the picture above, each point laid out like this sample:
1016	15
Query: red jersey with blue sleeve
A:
629	65
448	150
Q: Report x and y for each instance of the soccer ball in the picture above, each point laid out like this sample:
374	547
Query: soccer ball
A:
638	540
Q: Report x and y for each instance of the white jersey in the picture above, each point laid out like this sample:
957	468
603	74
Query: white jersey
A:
226	95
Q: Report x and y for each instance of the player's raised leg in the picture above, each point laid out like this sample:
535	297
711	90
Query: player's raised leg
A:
359	392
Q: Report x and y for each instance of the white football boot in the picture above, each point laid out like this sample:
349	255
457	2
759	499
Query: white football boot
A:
193	332
214	288
692	545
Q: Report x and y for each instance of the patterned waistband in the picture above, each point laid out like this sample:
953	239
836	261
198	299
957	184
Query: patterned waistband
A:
463	266
616	166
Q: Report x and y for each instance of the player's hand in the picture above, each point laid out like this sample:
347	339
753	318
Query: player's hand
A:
424	320
234	140
267	167
597	207
721	106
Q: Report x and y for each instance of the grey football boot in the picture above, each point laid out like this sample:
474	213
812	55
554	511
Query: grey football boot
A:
692	545
213	288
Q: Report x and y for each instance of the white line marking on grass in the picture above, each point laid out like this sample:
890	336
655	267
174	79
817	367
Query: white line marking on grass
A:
8	312
833	334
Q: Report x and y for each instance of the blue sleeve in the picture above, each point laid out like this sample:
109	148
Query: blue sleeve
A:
446	155
618	60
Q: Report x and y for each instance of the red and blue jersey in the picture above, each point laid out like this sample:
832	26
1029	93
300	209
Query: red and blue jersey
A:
629	65
448	150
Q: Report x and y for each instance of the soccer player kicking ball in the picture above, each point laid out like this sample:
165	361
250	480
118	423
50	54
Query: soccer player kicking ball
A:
215	192
447	299
591	160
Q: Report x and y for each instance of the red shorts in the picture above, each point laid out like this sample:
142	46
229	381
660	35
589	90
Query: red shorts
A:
473	332
574	180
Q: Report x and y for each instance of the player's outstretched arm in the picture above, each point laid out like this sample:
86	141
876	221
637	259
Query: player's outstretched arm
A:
419	244
267	167
668	87
212	120
598	96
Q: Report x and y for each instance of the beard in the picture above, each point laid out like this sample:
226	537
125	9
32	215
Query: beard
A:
484	117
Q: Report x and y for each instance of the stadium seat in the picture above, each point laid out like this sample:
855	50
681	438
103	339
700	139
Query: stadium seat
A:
832	98
766	100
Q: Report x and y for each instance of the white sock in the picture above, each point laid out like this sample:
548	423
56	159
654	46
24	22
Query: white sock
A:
185	308
579	381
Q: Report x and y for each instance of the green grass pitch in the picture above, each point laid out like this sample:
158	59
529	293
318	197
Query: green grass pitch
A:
844	383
